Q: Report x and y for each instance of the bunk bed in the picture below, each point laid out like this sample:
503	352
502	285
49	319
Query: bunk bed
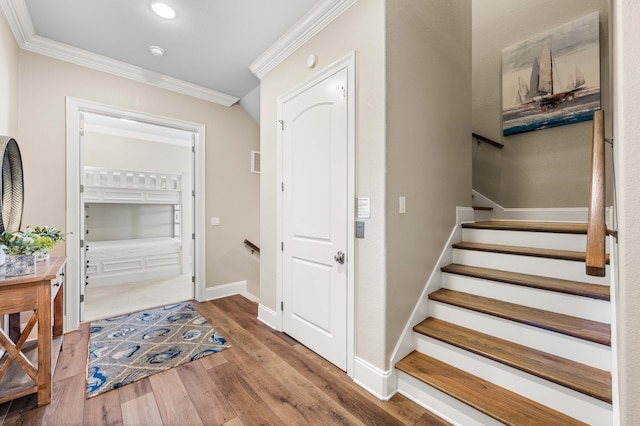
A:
120	261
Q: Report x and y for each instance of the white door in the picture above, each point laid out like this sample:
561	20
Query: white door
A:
314	217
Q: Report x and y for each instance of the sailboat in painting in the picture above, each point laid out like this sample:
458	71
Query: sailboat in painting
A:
543	89
541	82
575	81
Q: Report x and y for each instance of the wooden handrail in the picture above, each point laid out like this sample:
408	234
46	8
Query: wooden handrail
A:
596	225
252	247
487	140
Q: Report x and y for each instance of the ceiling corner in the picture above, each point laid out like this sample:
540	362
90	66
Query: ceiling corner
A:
22	27
308	26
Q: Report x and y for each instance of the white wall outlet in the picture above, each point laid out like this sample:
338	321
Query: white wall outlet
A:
215	221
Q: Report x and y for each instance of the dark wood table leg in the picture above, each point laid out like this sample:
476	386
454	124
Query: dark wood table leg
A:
58	313
14	327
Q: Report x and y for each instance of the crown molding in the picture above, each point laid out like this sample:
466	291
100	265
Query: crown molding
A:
18	19
321	15
22	27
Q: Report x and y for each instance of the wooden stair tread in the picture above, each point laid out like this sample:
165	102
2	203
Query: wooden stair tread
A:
579	377
578	256
494	401
594	291
572	326
484	208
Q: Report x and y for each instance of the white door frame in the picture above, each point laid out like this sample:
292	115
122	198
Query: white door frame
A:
73	277
348	62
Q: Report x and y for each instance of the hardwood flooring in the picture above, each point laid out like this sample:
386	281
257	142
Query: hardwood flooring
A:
266	378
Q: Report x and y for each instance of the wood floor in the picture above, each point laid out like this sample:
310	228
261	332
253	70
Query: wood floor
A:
266	378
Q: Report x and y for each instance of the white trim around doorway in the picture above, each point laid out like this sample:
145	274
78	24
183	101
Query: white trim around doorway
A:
74	108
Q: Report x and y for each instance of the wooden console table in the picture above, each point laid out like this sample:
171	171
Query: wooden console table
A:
26	367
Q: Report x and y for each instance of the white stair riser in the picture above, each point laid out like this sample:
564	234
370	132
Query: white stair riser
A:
559	398
555	268
482	215
577	306
579	350
549	240
445	406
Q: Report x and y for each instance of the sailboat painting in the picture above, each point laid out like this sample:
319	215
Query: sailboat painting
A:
553	79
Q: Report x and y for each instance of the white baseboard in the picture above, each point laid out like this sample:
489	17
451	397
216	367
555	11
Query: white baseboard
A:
382	384
224	290
268	316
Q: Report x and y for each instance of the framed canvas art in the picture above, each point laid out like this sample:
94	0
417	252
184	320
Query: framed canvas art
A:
552	79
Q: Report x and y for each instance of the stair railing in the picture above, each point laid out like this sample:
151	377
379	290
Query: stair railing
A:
484	139
596	224
251	246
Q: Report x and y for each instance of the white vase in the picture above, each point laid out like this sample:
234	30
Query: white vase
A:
19	264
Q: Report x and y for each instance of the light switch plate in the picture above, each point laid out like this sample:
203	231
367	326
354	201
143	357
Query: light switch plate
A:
402	205
359	229
215	221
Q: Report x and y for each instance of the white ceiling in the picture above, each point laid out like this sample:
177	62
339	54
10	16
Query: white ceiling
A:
210	44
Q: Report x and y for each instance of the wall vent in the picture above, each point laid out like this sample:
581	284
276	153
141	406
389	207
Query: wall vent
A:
255	161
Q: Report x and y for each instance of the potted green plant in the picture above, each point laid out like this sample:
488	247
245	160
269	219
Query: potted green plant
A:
45	238
18	248
23	248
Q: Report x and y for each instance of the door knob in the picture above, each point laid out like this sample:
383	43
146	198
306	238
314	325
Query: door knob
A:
339	257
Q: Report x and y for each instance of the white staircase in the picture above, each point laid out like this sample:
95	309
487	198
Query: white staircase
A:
518	333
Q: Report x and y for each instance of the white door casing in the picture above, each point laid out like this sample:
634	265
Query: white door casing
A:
316	147
74	278
82	225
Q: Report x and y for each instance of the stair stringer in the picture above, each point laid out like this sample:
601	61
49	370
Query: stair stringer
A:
406	343
612	249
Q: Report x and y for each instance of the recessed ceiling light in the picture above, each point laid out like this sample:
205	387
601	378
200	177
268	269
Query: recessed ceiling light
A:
156	50
163	10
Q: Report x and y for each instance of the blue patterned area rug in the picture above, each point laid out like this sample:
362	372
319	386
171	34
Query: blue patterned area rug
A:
133	346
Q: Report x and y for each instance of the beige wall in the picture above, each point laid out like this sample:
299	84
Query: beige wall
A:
230	136
428	152
361	28
532	170
8	80
627	155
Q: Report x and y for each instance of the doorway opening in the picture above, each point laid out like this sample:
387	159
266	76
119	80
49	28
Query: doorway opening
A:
137	215
135	186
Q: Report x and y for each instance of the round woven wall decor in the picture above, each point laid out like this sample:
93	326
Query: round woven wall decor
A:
12	194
